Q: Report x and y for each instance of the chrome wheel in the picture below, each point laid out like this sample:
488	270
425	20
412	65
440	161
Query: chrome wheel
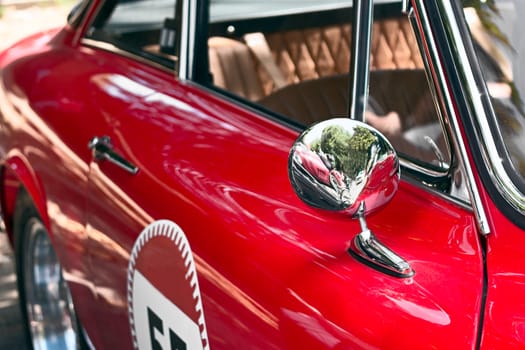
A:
50	313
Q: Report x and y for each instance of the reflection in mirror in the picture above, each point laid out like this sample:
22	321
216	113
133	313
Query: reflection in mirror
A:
340	163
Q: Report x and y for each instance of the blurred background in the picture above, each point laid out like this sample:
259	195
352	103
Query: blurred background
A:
18	19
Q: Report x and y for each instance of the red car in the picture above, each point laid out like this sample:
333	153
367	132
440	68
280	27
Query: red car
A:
148	183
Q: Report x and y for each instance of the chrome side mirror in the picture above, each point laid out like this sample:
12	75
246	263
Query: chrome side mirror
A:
349	167
341	163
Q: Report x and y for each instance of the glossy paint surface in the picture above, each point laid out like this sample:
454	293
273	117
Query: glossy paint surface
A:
274	273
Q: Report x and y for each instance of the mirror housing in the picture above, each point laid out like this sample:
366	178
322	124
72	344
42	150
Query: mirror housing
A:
341	164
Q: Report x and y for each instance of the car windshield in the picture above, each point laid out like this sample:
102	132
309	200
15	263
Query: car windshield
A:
497	29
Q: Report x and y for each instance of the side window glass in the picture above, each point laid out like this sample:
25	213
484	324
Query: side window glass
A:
401	103
289	57
146	28
294	60
498	44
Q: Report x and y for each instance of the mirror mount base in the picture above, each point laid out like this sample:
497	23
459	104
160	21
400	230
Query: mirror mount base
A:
366	248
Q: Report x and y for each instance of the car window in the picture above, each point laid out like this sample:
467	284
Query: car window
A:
293	58
497	34
146	28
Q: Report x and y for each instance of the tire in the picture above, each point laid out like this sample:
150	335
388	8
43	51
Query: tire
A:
45	299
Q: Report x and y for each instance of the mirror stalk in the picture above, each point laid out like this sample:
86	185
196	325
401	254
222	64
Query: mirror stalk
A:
369	250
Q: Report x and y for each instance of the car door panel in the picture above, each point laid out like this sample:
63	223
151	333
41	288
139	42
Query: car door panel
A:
270	269
273	272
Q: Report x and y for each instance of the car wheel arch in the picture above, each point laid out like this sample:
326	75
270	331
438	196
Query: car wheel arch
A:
16	176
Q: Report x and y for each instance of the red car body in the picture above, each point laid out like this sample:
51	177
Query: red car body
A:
272	272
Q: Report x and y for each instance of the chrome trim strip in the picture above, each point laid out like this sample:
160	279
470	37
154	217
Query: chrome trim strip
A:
492	158
113	49
405	6
421	168
184	46
191	39
187	43
360	59
453	119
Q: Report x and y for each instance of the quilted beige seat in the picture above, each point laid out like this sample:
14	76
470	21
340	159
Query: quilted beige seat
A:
232	66
320	52
308	54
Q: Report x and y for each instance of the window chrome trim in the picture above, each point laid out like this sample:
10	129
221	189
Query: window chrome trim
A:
187	38
405	6
453	118
499	176
360	58
184	49
423	169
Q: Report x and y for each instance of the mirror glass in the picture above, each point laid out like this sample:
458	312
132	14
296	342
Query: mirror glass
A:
340	163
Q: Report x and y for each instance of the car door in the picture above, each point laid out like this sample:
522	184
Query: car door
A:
196	237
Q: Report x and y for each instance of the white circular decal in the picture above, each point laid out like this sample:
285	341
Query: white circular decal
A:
164	301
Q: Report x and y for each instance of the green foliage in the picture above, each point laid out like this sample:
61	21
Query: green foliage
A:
351	151
486	10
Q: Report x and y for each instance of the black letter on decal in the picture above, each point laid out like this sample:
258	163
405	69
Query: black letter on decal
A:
176	343
154	322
